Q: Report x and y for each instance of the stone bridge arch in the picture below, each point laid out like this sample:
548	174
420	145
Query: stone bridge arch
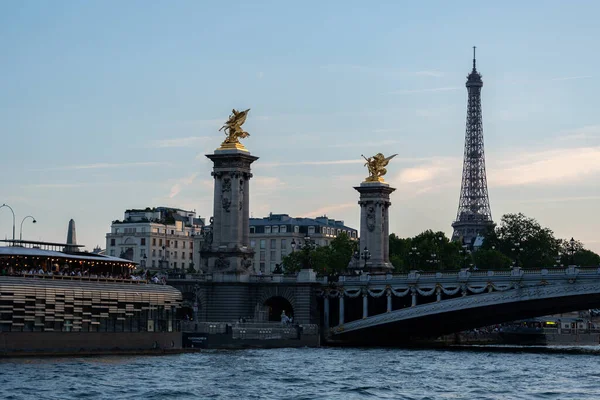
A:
268	298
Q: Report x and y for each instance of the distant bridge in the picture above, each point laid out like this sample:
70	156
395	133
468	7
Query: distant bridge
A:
390	309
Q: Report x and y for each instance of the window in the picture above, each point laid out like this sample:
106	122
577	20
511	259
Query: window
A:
117	230
153	263
253	243
174	254
191	256
267	229
168	243
176	243
273	244
252	229
262	255
275	229
160	253
296	229
143	242
191	245
263	243
183	245
182	255
153	241
311	229
172	232
174	265
142	253
272	266
284	253
262	266
129	230
112	242
283	244
160	242
112	253
153	252
283	229
273	255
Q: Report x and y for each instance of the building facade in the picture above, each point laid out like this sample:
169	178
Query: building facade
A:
271	237
157	238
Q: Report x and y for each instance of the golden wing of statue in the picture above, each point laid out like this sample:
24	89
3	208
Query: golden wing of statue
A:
387	160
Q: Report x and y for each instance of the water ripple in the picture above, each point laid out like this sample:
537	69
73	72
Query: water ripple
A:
327	373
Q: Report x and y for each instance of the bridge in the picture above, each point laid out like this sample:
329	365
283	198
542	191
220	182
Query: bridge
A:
393	309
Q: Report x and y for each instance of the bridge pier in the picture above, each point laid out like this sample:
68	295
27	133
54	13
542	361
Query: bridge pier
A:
326	313
365	305
341	309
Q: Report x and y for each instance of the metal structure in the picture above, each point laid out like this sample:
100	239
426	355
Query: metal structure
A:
474	214
387	309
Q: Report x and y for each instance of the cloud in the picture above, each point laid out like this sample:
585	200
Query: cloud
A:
56	185
570	78
181	183
545	200
585	132
329	209
296	163
366	144
434	169
178	142
556	166
429	90
435	74
104	166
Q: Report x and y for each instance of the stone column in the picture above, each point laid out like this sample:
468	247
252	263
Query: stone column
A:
229	251
365	305
414	297
438	294
341	309
374	224
389	300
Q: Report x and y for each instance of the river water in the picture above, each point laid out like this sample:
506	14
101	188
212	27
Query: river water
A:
325	373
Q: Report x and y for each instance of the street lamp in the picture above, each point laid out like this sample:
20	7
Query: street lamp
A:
21	231
517	250
365	255
571	249
413	254
293	244
143	262
13	213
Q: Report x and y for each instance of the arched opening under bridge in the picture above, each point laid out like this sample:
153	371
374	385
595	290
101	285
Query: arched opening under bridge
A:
276	306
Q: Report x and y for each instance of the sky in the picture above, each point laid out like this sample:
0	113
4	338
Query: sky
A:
110	105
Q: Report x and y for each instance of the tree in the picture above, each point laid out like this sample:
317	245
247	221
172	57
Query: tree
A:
491	259
524	241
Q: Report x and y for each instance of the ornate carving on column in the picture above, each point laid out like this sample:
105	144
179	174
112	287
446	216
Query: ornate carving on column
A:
374	230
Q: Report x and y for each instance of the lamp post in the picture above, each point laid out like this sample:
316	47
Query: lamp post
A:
413	254
21	231
13	213
517	250
366	255
143	261
571	249
293	244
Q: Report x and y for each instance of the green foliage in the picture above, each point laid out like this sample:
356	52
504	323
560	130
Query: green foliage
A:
325	260
491	259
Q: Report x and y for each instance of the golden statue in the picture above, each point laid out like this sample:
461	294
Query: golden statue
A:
376	166
234	131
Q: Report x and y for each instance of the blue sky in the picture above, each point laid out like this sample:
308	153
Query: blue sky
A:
112	105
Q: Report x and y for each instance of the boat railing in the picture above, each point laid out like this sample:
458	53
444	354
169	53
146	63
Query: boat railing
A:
86	278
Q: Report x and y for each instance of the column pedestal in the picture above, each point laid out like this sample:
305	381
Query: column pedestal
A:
374	225
227	247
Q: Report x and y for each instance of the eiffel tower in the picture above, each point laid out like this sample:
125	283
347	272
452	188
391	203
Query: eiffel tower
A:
474	215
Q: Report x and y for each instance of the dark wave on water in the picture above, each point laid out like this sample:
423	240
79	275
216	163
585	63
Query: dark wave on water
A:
327	373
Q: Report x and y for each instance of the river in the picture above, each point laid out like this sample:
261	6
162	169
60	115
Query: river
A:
325	373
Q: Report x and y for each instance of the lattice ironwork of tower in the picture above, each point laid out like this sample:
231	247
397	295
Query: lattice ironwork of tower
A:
474	214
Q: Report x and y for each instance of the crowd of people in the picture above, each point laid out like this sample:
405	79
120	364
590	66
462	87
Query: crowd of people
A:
82	273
